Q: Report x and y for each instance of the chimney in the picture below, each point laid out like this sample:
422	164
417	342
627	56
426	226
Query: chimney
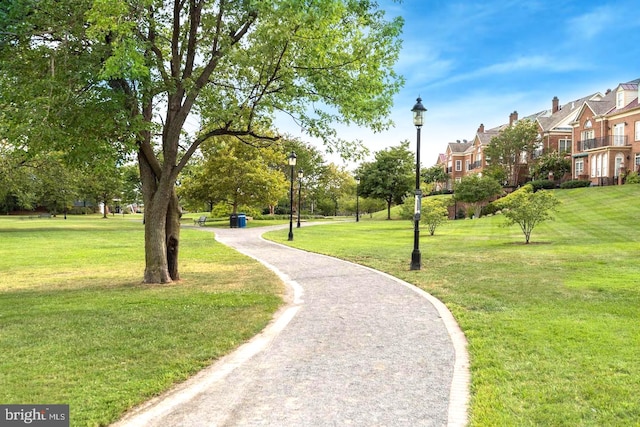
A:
513	117
555	105
481	128
608	92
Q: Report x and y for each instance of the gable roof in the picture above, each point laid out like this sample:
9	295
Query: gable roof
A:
458	147
561	120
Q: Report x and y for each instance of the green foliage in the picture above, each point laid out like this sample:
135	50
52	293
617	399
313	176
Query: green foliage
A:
476	191
528	209
236	173
390	176
85	76
506	149
334	184
575	183
435	175
542	184
497	172
553	162
632	178
504	202
434	212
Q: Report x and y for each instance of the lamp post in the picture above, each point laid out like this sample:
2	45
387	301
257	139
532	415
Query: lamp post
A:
357	199
300	176
418	112
292	163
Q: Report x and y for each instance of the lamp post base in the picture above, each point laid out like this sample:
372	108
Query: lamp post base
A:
415	260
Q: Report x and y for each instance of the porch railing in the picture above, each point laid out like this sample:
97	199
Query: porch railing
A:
605	141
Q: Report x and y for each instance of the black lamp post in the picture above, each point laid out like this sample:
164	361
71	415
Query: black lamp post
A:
292	163
418	112
357	199
300	176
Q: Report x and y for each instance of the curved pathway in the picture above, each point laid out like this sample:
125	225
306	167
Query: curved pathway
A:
353	347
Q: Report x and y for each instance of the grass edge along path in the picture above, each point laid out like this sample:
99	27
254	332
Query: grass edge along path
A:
553	327
78	327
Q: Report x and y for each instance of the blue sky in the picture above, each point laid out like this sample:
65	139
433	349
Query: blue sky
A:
476	62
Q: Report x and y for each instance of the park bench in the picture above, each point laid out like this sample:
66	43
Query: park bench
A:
200	221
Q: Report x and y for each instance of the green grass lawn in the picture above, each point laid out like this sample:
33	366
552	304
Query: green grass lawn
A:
553	326
78	327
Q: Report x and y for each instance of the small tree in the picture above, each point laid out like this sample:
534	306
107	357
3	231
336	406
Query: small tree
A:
554	163
476	190
513	148
390	176
434	213
435	175
528	209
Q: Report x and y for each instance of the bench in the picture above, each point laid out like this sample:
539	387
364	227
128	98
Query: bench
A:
200	221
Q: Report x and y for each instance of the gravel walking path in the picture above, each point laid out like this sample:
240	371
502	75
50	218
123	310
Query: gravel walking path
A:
354	347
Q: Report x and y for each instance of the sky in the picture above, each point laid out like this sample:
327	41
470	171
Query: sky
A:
477	61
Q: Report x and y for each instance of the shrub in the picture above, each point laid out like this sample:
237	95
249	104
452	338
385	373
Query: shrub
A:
490	209
632	178
542	184
505	201
576	183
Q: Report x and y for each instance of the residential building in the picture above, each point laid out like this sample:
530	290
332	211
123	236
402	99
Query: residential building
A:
607	134
601	134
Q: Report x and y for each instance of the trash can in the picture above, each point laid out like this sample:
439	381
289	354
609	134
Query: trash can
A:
242	220
233	221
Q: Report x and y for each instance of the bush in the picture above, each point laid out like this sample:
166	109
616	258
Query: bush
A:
576	183
542	184
490	209
439	192
504	202
632	178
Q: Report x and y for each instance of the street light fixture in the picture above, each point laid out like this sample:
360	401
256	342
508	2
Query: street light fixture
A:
292	163
300	176
418	119
357	199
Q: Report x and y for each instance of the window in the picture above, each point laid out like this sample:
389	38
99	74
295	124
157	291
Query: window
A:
468	165
588	139
637	131
620	99
579	167
637	160
618	135
458	165
564	145
619	164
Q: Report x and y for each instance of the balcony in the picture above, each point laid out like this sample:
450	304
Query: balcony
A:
605	141
475	165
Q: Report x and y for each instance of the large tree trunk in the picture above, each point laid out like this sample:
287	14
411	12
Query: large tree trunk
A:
155	224
174	214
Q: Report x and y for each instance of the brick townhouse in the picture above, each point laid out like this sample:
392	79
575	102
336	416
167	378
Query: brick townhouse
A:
600	133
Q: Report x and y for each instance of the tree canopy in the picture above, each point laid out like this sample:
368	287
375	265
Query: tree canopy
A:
104	78
236	173
389	176
513	149
528	209
476	190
